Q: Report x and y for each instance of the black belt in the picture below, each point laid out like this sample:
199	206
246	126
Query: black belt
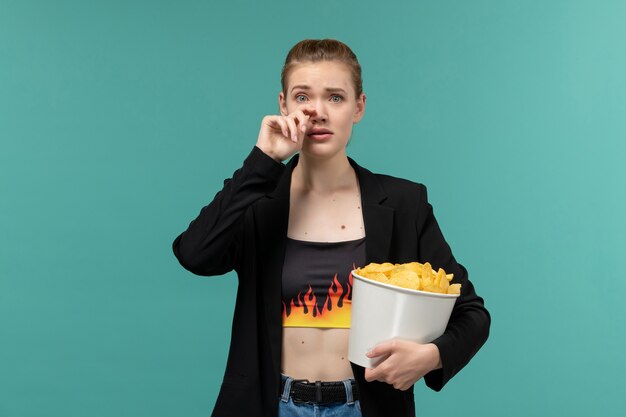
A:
320	392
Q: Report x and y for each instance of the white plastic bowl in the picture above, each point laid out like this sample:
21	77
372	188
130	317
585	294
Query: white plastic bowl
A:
381	312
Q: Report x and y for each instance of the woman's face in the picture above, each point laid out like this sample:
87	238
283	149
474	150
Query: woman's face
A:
324	91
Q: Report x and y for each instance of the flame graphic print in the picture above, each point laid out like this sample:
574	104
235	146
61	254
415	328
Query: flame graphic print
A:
304	310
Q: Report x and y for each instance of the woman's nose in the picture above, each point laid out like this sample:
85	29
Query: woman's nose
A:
317	111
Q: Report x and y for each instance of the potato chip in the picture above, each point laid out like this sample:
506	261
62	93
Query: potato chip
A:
378	276
412	275
414	266
454	289
427	278
386	267
442	280
405	278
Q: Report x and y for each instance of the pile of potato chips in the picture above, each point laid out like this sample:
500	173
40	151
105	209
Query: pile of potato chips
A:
413	275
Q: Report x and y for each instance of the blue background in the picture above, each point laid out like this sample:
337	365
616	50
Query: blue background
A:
120	119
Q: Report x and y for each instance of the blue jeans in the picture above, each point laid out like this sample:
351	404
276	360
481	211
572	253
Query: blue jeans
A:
287	408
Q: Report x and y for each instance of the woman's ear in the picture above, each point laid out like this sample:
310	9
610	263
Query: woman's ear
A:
360	109
282	104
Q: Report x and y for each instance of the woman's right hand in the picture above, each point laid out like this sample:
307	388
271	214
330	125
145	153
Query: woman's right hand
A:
281	136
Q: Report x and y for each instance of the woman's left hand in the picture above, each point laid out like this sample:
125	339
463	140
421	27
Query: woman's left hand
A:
406	363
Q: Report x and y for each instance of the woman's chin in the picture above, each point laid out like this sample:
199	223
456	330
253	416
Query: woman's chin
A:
318	151
322	149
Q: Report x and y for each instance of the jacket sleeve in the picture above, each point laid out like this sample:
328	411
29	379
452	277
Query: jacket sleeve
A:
469	323
212	242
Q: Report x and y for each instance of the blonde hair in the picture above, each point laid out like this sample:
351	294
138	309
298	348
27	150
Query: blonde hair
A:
316	50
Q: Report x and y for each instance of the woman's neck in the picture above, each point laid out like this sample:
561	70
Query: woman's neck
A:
323	175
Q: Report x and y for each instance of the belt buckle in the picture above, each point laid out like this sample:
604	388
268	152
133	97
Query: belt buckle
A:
319	398
293	383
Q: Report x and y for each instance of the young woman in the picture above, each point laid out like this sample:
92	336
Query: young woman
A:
294	232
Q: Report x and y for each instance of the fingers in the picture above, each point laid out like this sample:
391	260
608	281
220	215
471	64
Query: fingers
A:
298	123
406	363
293	129
308	110
370	374
302	119
388	373
280	123
380	373
291	126
381	349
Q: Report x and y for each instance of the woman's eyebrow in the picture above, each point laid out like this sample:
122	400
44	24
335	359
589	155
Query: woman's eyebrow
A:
328	89
300	87
335	90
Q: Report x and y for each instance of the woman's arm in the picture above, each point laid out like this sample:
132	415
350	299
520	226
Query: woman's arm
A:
211	243
406	361
469	323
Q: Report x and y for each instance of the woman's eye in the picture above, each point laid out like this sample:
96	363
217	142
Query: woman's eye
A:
300	98
336	99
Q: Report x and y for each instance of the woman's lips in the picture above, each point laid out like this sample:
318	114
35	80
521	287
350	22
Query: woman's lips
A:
320	134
